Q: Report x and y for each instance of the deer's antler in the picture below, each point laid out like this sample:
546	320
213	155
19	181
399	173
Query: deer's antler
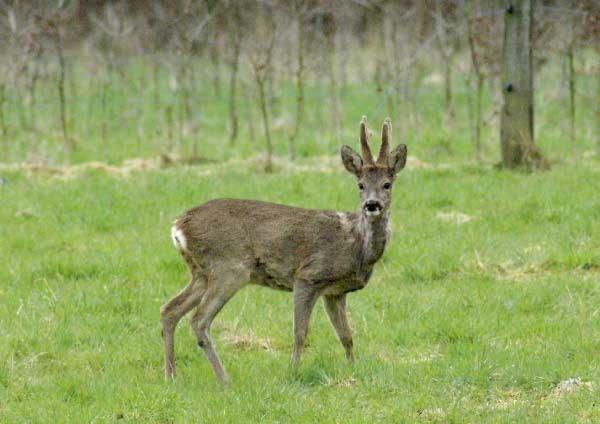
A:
386	135
367	157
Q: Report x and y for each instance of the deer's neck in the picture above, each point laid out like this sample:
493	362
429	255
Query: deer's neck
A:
373	236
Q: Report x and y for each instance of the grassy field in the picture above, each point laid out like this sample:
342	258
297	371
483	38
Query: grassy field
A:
479	321
485	307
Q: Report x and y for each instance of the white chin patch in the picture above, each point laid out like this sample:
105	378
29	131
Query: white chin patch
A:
373	213
178	238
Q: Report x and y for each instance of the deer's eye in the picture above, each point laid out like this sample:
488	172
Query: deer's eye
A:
361	186
387	186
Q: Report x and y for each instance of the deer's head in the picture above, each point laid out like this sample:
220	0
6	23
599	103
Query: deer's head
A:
375	178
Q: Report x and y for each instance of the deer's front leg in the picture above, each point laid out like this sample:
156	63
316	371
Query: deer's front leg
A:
336	310
305	297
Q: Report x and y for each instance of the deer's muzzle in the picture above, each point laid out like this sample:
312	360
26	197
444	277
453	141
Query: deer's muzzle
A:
372	207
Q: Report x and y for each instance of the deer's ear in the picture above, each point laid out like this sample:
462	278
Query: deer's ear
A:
351	160
397	159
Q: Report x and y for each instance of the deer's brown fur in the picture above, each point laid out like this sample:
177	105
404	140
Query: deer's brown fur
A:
229	243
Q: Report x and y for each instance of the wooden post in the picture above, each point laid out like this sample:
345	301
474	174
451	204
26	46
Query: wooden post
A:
516	127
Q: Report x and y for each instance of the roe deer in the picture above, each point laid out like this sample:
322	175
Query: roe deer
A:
228	244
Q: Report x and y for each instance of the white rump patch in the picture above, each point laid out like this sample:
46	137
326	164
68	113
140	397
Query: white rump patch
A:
178	238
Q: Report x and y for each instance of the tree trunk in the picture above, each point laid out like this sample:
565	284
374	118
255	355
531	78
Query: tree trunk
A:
233	114
3	131
260	82
214	59
479	76
299	86
478	117
249	112
385	65
598	110
345	50
516	125
2	101
448	84
334	97
271	87
571	69
68	143
169	124
156	83
105	118
446	55
470	109
32	93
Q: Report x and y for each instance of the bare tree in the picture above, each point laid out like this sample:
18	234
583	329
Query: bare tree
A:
3	130
574	28
300	11
329	29
260	55
479	75
8	30
402	62
55	28
192	26
34	65
447	44
110	28
20	47
235	37
598	102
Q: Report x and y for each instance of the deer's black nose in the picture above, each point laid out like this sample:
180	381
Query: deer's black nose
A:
372	205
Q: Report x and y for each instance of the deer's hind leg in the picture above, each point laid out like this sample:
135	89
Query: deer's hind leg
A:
172	312
221	288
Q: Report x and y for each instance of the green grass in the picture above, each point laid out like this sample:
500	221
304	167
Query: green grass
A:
476	322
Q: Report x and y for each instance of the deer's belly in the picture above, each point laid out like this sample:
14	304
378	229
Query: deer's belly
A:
274	284
327	285
267	278
349	283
